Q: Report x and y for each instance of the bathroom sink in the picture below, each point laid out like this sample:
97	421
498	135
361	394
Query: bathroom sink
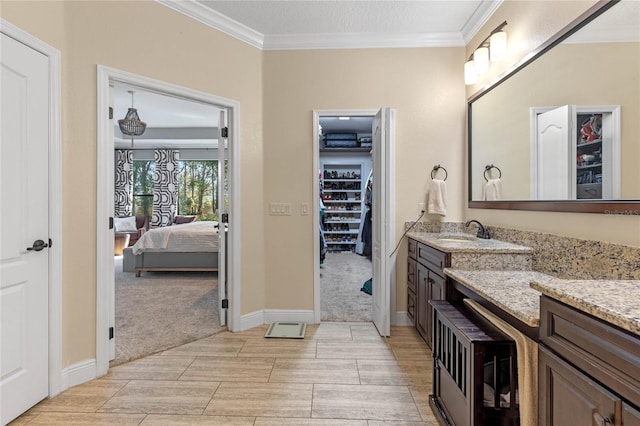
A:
456	237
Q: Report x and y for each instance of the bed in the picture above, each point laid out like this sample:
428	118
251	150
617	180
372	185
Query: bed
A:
187	247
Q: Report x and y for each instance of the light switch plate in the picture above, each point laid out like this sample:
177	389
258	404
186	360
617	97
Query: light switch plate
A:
280	209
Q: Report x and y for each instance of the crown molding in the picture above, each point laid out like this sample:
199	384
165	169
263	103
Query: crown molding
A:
360	41
213	19
479	18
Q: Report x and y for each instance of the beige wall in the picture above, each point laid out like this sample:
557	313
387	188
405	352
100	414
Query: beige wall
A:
148	39
423	85
277	92
530	23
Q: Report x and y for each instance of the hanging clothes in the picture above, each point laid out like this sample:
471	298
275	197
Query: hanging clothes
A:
367	225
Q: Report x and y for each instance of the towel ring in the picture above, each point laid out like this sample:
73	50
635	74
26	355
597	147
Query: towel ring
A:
434	171
488	168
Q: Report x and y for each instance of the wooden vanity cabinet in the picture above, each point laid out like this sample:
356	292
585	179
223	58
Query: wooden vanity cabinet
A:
425	282
589	370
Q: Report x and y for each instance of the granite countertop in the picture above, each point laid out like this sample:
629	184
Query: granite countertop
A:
614	301
508	290
466	243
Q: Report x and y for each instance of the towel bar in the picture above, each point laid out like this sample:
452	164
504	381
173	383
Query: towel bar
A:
488	168
434	171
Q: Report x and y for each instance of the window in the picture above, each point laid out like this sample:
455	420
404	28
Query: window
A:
143	187
198	189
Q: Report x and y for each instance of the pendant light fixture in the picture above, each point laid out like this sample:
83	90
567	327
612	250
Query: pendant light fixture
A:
131	125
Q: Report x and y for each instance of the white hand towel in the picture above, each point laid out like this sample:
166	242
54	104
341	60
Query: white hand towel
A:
492	190
437	203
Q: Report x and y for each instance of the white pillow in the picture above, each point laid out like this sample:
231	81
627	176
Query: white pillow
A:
125	224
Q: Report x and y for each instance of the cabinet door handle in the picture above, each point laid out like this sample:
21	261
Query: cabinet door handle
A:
602	421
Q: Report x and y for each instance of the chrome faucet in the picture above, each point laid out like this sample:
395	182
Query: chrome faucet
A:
482	231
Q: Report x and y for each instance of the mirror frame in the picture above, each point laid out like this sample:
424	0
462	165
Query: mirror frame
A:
616	207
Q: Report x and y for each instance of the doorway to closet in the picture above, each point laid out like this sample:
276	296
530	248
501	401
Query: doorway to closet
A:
382	218
345	196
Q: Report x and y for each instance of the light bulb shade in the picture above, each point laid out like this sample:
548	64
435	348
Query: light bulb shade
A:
498	46
481	58
470	74
131	124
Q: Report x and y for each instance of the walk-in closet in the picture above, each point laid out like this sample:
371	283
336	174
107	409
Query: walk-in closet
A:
345	144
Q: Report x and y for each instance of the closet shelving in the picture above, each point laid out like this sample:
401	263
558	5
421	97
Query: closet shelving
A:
342	198
589	157
596	152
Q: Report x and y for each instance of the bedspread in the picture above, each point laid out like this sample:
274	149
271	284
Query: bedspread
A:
188	237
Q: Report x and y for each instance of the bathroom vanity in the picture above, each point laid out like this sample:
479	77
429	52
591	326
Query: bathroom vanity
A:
587	335
430	253
589	359
425	282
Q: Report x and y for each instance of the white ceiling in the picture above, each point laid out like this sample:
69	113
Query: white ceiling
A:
313	24
159	110
170	121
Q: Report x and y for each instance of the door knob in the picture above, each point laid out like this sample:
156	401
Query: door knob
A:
38	245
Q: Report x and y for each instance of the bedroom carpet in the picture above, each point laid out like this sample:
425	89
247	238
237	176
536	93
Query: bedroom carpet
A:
341	278
161	310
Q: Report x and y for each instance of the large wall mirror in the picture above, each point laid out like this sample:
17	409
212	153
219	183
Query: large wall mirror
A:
561	132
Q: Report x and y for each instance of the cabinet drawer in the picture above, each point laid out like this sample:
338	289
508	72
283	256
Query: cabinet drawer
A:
605	352
411	275
411	306
412	247
569	398
432	258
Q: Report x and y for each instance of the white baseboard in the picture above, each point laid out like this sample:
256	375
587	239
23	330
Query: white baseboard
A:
251	320
273	315
401	319
268	316
78	373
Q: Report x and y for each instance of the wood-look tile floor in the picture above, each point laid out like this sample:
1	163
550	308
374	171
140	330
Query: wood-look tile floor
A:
340	374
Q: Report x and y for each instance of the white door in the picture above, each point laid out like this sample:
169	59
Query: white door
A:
380	216
24	204
222	209
553	178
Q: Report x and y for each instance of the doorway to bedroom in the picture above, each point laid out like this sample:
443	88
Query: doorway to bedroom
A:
175	177
345	184
166	198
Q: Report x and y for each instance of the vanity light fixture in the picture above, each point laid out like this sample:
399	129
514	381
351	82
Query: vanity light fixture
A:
131	125
481	59
470	74
498	46
493	48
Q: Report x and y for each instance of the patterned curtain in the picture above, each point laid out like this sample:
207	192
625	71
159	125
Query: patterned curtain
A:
123	182
165	187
